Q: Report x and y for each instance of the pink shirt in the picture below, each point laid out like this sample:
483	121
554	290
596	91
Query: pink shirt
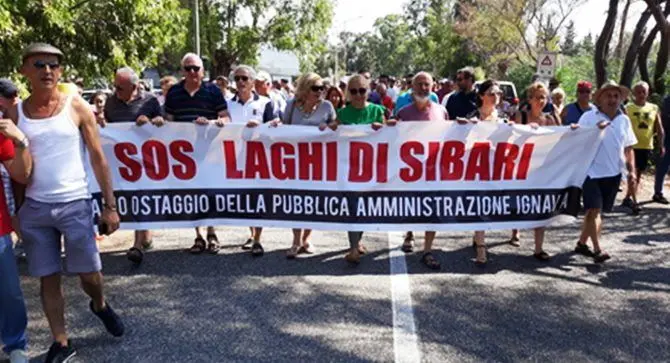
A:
433	112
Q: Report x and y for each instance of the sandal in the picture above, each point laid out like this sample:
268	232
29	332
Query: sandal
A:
307	250
257	249
353	258
542	256
600	256
430	261
148	245
408	245
213	244
514	241
247	245
362	250
135	255
478	261
583	249
199	246
293	252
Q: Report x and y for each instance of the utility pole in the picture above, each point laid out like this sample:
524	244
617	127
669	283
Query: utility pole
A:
196	13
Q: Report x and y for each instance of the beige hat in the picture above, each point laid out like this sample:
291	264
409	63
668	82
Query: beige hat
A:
41	48
611	85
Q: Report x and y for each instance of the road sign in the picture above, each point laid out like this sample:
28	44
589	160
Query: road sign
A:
546	64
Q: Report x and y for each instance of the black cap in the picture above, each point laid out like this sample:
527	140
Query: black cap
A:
8	89
41	48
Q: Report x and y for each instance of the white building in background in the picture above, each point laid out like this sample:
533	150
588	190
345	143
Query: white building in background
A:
279	64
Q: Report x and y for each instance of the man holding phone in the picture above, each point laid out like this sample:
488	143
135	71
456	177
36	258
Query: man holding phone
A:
58	128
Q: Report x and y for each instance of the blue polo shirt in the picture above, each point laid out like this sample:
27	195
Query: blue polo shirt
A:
207	102
406	99
461	104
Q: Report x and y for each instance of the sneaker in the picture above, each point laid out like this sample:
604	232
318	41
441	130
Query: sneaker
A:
659	198
583	249
18	356
112	322
60	354
627	202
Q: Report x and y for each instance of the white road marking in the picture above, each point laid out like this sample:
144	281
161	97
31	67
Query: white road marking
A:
405	340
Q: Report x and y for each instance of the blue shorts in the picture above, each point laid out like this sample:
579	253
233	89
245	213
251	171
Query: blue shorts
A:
43	224
600	193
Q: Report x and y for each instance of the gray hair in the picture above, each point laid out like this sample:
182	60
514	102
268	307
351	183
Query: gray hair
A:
248	69
422	74
188	56
127	71
641	84
558	91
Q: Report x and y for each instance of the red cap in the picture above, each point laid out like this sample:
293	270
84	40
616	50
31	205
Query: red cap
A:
584	85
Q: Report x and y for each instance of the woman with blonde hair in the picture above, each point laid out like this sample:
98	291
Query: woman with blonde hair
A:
359	112
308	108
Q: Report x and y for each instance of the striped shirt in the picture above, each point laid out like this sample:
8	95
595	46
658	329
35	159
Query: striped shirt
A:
207	102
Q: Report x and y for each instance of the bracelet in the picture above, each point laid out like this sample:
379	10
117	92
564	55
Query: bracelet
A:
110	207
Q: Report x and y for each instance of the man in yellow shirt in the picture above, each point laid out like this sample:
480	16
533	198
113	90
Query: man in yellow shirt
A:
646	120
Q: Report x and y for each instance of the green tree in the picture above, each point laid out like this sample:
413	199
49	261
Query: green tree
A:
96	36
587	46
569	46
235	30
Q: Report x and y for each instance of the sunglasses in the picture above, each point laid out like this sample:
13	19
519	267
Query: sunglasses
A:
241	78
192	68
356	91
318	88
42	64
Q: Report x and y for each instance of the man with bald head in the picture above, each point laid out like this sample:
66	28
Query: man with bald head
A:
193	100
130	103
422	109
408	99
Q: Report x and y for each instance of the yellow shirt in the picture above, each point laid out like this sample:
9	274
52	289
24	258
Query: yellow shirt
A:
643	119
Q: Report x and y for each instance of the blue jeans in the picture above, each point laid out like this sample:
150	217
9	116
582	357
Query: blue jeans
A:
13	319
662	167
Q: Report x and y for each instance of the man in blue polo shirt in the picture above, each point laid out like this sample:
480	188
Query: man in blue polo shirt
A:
192	100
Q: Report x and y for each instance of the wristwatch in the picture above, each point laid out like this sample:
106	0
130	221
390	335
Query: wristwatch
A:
110	207
24	143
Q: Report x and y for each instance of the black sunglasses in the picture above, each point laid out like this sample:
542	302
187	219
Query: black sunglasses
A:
355	91
241	78
42	64
318	88
192	68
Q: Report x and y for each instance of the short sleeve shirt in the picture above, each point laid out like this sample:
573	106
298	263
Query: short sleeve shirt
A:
6	153
257	108
609	160
460	104
144	104
367	115
643	119
207	102
406	99
323	114
433	112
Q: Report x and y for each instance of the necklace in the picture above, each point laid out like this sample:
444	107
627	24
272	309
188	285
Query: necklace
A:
51	113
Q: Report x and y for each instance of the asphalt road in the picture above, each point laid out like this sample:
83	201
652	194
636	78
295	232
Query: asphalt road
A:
234	308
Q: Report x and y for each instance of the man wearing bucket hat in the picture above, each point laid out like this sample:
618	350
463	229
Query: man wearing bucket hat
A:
604	174
59	128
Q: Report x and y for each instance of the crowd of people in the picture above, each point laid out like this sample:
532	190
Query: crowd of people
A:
44	138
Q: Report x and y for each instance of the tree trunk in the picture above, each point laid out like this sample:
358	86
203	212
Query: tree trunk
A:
656	85
662	62
600	57
622	28
628	69
643	55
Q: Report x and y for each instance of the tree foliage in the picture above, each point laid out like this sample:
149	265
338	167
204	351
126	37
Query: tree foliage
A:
96	36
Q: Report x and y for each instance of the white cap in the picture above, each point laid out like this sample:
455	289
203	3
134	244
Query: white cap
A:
263	76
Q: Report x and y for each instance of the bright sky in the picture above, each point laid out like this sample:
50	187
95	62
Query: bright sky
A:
360	15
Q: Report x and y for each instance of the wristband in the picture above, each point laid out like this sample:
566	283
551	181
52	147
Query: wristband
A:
110	207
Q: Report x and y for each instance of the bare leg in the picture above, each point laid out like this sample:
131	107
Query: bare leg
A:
53	304
596	229
140	238
257	234
586	227
92	285
296	237
481	246
197	232
428	241
306	233
211	231
539	239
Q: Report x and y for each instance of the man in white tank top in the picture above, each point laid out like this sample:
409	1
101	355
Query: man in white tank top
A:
59	127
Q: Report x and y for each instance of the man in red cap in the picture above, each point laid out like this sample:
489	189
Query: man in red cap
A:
572	112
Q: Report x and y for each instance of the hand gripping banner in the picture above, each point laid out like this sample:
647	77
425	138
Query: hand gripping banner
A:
413	176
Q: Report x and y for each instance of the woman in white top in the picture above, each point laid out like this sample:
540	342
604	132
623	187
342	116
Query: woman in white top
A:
308	108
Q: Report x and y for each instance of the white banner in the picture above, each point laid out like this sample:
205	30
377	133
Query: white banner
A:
414	176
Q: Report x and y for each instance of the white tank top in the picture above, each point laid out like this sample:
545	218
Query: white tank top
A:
58	152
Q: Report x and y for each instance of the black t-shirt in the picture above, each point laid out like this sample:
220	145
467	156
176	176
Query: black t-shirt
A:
461	104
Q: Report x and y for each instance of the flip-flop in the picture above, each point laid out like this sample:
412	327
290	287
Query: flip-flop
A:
292	252
148	245
308	250
542	256
430	261
514	241
247	245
